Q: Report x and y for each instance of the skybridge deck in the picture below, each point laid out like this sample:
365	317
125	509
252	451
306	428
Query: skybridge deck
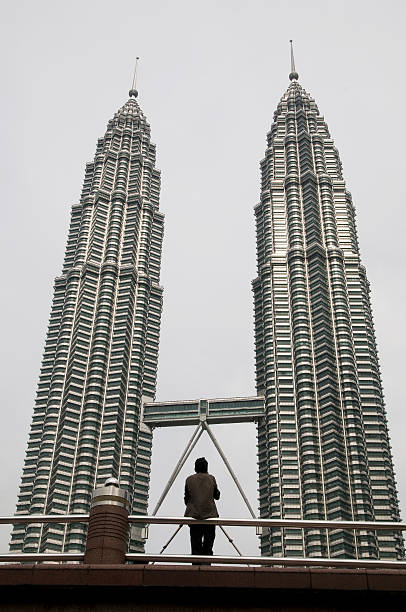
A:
214	411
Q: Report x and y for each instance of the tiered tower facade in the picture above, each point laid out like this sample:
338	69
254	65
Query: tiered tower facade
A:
101	348
324	448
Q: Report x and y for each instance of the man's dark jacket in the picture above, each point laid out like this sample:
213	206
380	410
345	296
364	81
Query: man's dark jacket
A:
200	492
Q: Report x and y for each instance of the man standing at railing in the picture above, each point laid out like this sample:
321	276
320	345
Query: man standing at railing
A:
200	492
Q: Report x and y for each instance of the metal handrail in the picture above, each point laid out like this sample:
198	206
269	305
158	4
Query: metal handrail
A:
231	522
220	560
270	523
183	520
39	557
44	518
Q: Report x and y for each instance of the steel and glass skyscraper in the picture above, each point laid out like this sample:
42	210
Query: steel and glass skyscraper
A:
323	445
101	348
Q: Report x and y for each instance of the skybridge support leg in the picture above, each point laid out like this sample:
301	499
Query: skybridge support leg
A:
203	425
228	466
230	540
189	447
170	539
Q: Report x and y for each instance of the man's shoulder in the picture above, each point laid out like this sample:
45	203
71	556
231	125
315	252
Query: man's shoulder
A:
199	476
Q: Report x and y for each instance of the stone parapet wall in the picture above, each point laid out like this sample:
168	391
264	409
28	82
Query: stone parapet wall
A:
149	588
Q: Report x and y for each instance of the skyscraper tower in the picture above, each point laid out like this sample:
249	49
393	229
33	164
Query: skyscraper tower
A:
101	348
324	449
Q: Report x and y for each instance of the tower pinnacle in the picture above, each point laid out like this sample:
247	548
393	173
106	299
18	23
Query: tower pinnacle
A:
293	74
133	91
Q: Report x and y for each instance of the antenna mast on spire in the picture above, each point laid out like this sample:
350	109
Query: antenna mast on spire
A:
293	74
133	91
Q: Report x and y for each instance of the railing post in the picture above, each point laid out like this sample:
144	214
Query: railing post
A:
107	534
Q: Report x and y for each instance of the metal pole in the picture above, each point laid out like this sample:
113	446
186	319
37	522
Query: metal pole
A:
26	519
232	543
228	466
189	447
230	540
171	538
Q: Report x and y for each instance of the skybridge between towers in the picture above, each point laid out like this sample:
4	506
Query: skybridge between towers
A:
212	411
203	413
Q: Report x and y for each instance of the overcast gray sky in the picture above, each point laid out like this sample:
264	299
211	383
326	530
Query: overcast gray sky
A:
211	74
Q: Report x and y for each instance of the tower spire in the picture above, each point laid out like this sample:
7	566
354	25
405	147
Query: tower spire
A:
133	91
293	74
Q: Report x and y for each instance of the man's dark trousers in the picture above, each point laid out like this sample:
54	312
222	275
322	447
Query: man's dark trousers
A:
202	539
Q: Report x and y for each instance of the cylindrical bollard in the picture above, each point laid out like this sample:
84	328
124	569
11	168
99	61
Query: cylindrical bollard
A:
108	524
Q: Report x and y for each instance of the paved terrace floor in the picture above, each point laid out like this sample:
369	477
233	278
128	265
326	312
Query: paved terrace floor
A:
150	588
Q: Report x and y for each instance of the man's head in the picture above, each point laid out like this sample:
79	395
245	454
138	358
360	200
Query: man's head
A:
201	465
